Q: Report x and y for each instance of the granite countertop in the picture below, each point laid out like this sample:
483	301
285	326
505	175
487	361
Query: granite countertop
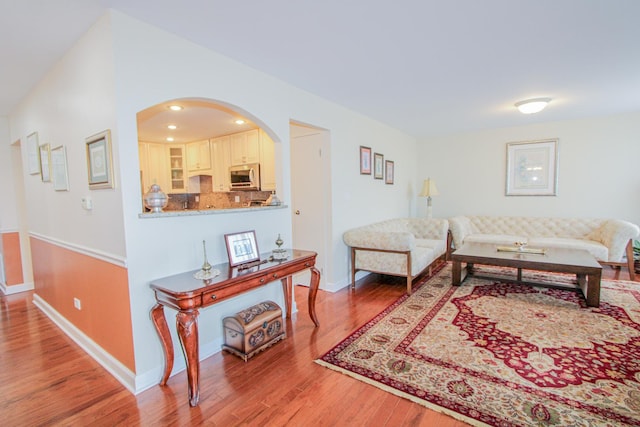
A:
192	212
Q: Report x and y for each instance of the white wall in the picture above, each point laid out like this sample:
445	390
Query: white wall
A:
598	175
8	213
152	66
74	101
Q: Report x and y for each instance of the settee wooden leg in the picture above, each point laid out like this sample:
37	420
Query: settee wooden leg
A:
630	266
353	268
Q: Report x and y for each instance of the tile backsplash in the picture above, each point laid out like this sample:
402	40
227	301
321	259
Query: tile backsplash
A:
203	197
216	200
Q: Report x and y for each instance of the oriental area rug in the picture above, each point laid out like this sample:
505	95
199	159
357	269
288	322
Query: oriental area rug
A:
504	354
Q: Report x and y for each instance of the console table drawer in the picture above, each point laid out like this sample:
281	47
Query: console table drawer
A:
216	295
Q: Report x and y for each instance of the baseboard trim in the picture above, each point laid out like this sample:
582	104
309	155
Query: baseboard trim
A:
15	289
106	360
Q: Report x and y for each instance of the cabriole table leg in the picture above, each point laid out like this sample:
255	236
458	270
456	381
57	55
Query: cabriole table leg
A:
187	326
313	290
160	322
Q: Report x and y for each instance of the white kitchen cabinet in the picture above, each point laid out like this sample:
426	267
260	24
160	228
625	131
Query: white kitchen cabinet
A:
144	167
245	147
199	157
178	176
221	159
154	164
267	163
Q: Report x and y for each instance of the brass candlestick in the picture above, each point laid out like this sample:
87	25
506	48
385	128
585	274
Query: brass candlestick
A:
206	266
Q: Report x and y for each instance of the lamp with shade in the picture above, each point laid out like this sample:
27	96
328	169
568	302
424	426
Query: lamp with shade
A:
429	189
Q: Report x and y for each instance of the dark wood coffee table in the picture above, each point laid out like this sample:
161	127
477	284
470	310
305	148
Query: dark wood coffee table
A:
573	261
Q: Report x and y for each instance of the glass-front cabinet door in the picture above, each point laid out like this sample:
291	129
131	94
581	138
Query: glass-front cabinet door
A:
176	162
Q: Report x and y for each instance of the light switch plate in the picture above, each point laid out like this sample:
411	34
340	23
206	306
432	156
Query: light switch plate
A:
87	203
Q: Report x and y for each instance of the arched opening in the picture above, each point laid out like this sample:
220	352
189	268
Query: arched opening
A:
206	154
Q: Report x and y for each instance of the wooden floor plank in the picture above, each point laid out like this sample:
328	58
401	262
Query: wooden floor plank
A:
46	379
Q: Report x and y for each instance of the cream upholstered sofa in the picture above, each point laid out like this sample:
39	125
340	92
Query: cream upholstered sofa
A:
606	239
398	247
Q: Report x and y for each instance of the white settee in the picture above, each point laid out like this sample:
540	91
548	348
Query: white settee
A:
397	247
606	239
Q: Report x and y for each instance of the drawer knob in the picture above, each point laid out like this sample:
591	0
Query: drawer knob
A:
307	264
262	279
275	275
214	297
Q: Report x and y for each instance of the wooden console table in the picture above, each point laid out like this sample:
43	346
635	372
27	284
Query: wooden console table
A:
187	295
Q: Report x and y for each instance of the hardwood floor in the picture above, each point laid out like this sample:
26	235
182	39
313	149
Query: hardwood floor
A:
46	379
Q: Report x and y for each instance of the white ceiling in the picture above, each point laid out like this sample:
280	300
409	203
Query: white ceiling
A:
197	120
427	67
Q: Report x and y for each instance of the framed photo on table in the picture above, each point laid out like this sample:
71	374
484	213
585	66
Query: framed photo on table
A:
99	162
365	160
242	248
532	168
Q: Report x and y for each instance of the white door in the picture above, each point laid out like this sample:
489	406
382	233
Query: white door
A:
309	194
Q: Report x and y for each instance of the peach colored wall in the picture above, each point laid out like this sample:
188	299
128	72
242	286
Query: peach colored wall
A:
12	258
60	275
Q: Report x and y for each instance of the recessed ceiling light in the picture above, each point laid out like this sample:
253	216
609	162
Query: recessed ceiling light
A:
175	107
172	127
240	122
531	106
170	139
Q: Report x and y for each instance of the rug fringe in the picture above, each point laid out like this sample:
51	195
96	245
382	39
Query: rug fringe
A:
403	395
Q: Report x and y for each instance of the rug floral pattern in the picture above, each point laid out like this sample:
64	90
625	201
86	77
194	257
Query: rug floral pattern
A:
503	354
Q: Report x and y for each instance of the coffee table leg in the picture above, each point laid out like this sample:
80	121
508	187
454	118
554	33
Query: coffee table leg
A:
592	291
456	273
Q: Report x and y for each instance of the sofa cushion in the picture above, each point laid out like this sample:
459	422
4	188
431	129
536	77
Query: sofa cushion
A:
495	239
596	249
438	246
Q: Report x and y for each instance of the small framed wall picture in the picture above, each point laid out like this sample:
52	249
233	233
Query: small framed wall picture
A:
33	154
365	160
45	162
242	248
99	161
59	173
378	166
388	175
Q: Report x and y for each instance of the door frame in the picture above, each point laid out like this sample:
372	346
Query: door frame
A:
323	189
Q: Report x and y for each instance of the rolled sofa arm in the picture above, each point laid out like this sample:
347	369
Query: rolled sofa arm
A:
398	241
615	235
460	227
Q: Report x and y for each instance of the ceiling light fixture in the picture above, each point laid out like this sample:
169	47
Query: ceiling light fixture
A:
172	127
531	106
240	122
175	107
170	139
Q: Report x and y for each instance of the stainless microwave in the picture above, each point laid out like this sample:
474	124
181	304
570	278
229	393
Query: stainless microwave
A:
245	177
